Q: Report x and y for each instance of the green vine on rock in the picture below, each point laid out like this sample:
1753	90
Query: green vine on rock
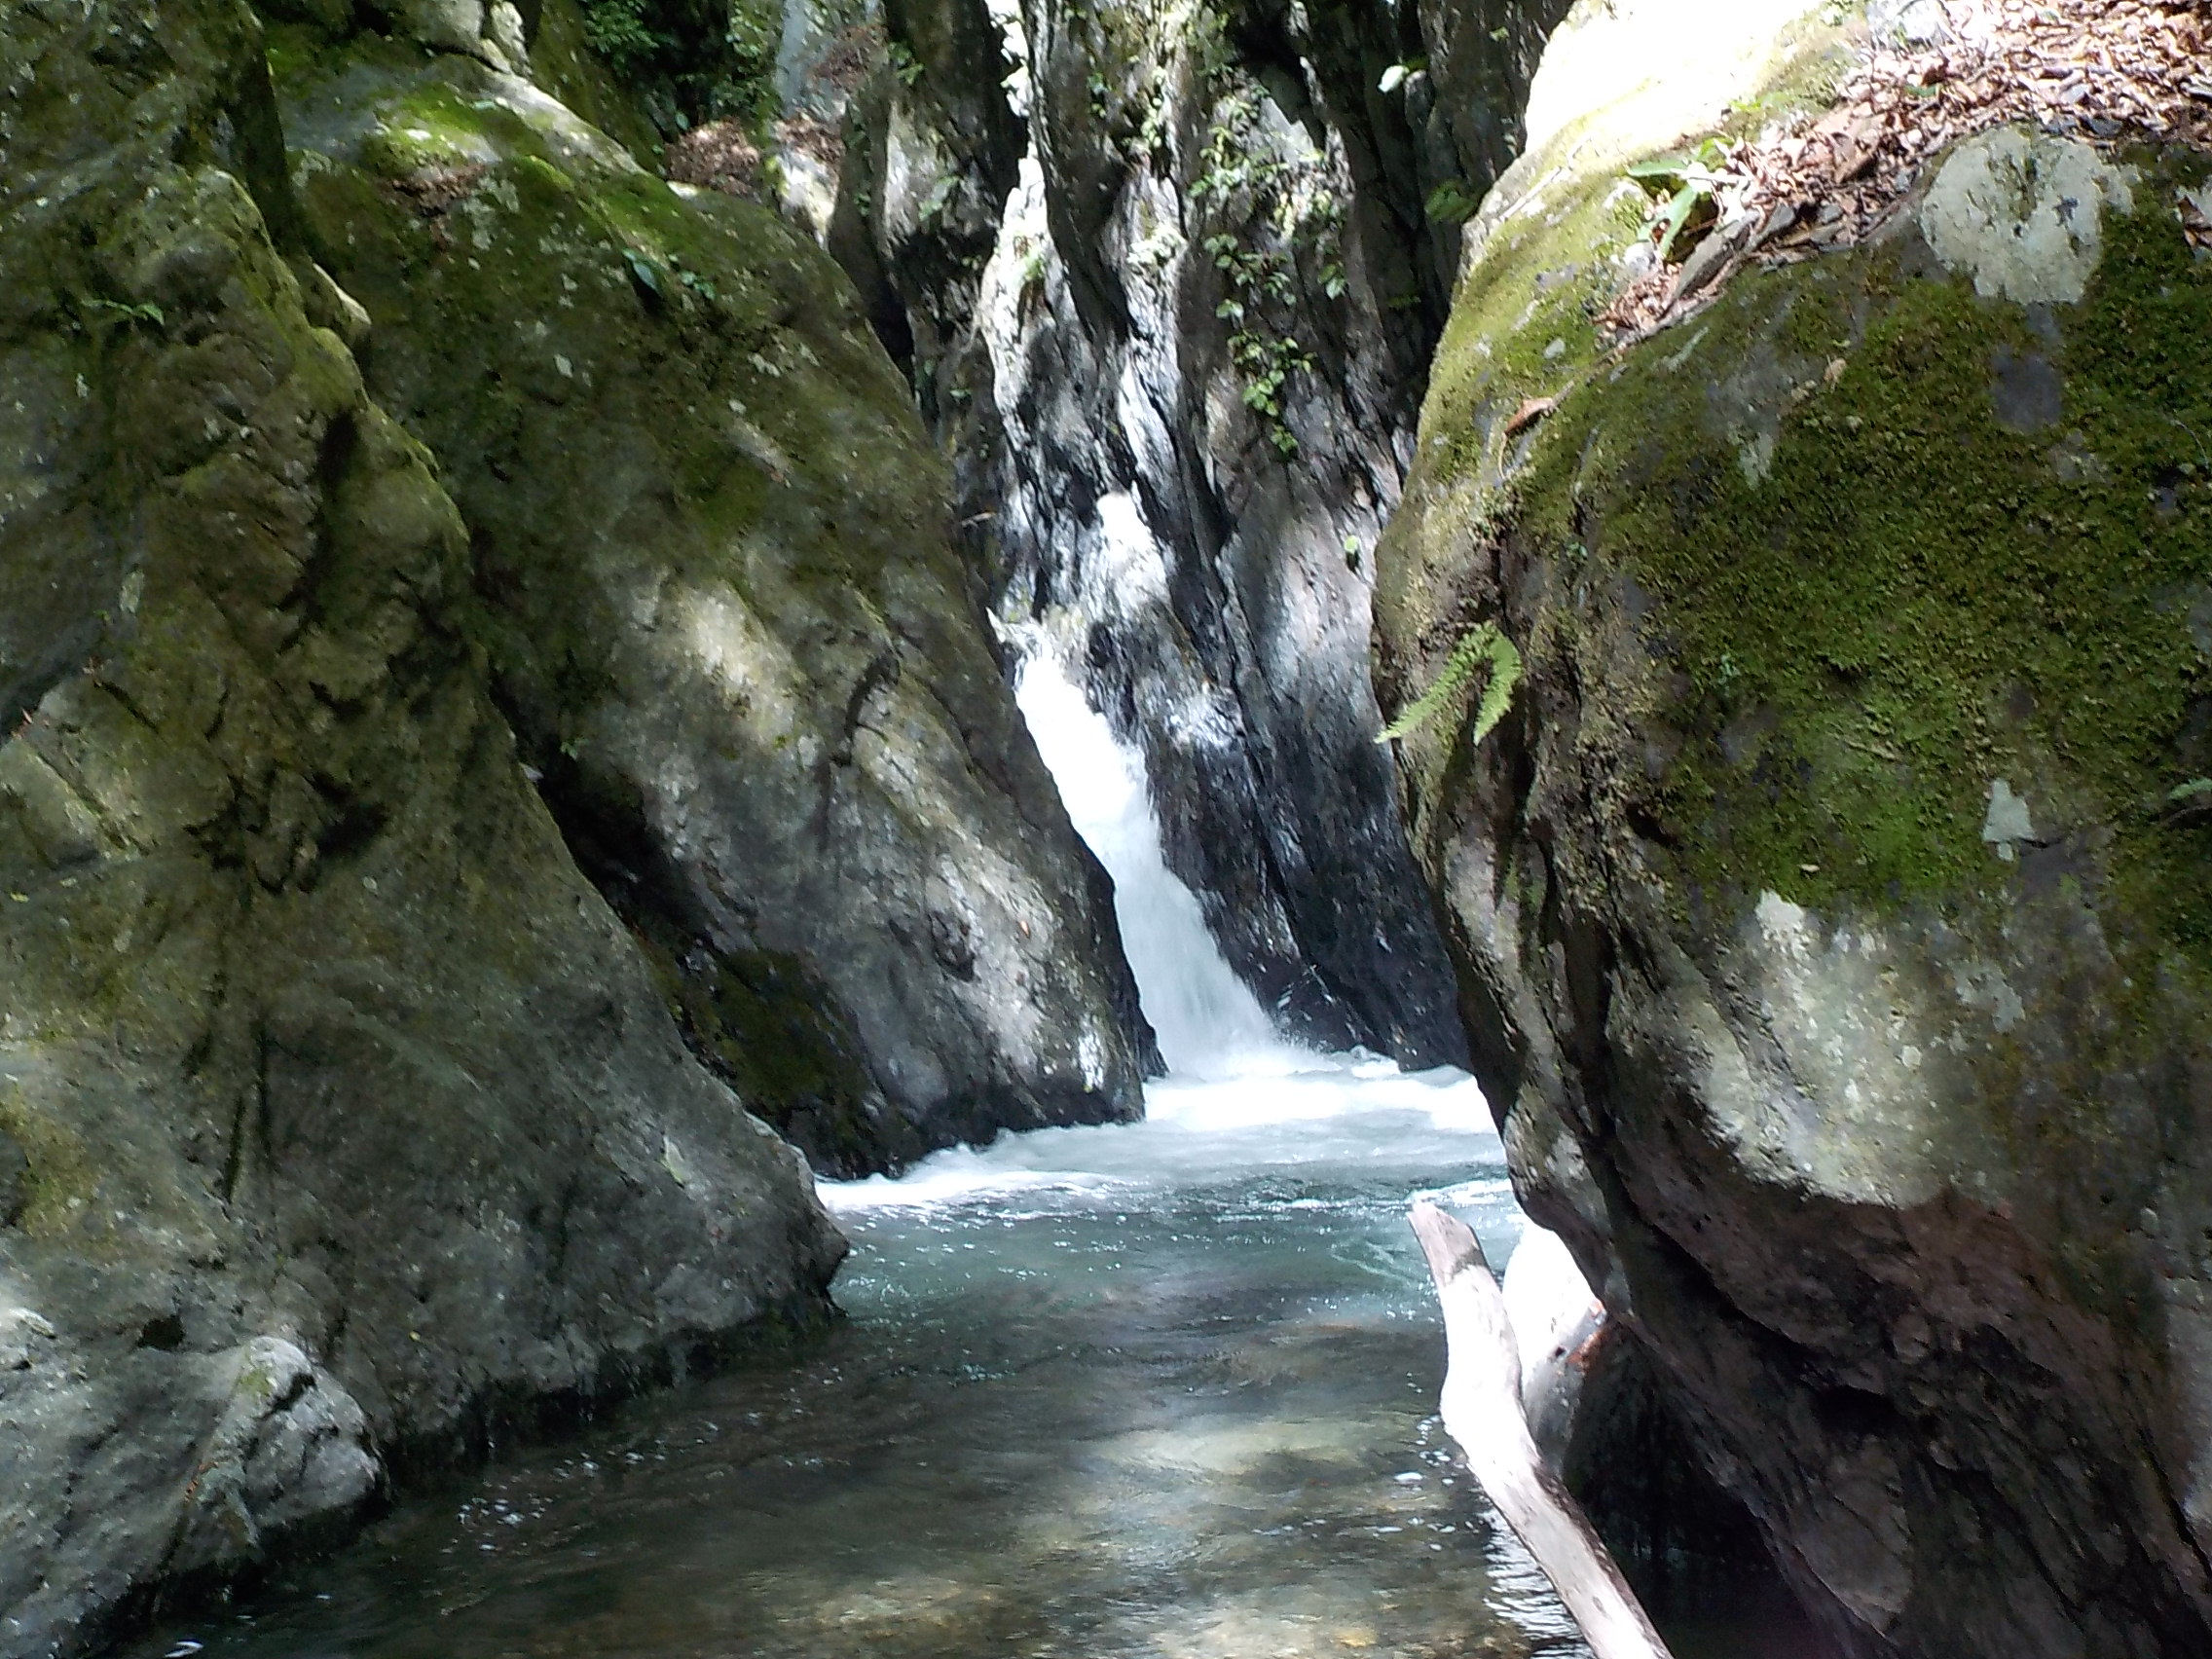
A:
1483	647
1265	360
1284	206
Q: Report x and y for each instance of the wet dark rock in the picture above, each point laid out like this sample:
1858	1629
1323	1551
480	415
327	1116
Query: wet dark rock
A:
1180	399
1602	1420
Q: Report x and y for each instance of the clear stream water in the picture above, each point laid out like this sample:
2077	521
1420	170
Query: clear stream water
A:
1162	1389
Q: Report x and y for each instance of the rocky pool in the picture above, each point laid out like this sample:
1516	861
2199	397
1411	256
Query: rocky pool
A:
1162	1390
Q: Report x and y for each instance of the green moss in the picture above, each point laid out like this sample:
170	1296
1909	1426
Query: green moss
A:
432	125
688	303
1906	600
1524	324
60	1179
293	49
770	1029
1818	55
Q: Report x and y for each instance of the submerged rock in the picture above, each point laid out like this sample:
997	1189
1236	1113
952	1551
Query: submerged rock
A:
1829	904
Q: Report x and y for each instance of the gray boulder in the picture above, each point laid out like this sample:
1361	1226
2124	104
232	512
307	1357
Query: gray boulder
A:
715	577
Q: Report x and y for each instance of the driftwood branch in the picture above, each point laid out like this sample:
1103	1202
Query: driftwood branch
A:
1482	1411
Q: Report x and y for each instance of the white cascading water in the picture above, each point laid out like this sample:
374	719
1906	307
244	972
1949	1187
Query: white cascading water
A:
1198	1301
1210	1023
1238	1097
1226	1060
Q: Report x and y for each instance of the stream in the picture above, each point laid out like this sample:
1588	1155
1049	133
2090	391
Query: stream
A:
1162	1389
1165	1390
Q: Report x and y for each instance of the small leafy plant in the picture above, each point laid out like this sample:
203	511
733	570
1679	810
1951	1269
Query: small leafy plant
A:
618	30
1682	189
147	311
1482	648
1452	203
689	60
1032	266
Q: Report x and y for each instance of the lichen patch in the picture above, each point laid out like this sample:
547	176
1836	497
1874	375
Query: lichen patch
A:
2022	214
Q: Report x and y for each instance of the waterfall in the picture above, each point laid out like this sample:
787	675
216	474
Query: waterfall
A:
1208	1022
1229	1066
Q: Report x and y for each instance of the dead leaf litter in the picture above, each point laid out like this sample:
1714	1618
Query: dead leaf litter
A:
2105	72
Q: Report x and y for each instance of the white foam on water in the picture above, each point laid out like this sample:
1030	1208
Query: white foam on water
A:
1239	1098
1198	1132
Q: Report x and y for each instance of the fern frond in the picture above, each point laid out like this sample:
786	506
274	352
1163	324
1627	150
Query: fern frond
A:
1498	695
1482	647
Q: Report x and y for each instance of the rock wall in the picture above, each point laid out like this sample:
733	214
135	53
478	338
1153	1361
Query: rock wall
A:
1827	904
1167	295
715	578
339	1116
344	1122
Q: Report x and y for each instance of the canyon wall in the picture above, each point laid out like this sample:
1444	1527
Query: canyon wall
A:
1828	884
1167	287
427	708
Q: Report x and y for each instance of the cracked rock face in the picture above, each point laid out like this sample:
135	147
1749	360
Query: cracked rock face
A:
1830	903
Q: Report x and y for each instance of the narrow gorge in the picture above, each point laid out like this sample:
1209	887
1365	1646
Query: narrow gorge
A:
772	768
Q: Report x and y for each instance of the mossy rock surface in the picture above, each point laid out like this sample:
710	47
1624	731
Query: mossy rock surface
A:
716	579
1831	901
336	1107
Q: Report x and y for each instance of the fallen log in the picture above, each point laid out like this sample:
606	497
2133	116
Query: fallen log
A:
1482	1411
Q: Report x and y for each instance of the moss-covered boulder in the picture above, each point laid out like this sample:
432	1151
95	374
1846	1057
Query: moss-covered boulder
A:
1833	903
716	578
340	1119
